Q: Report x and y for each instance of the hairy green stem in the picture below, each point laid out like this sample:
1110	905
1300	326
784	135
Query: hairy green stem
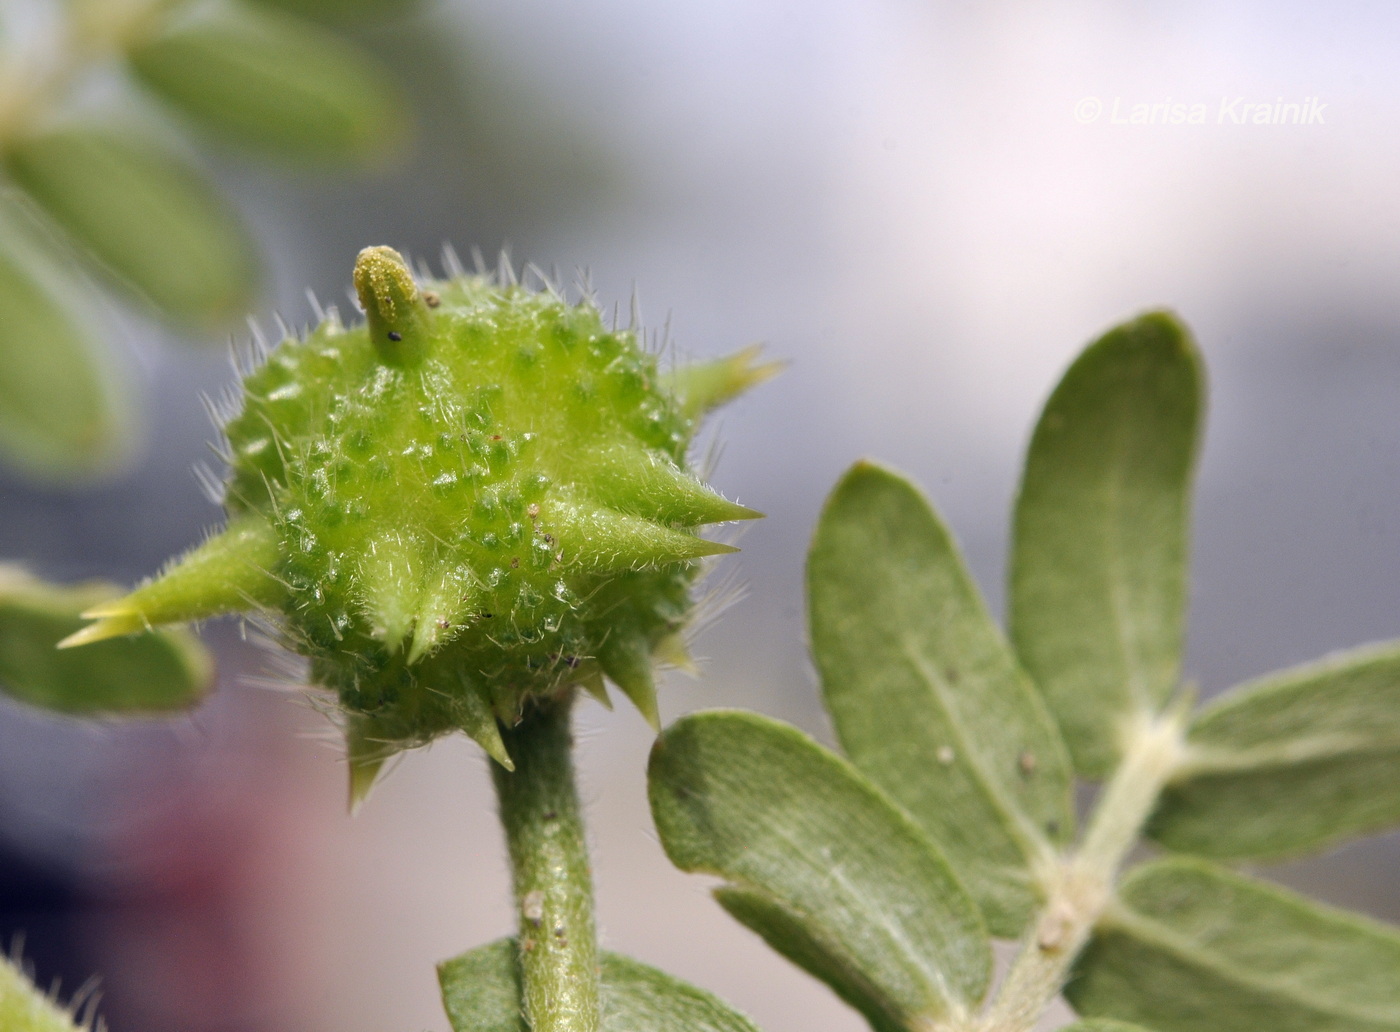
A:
549	865
1084	883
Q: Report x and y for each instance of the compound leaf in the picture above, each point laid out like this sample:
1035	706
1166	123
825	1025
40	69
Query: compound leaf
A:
160	672
1098	572
821	864
1295	761
60	413
145	214
481	993
1191	947
926	696
274	82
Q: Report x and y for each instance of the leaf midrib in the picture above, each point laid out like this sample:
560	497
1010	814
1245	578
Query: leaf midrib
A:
1126	630
1213	760
932	977
1034	847
1157	934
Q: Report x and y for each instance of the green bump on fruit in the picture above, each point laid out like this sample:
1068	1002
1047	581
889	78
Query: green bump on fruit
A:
479	496
395	312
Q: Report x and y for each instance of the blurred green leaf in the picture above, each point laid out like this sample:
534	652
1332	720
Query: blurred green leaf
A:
344	11
481	993
277	83
1099	561
149	673
145	214
926	697
1291	762
1191	947
820	864
61	415
1103	1025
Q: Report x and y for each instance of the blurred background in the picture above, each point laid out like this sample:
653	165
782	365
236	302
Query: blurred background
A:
926	209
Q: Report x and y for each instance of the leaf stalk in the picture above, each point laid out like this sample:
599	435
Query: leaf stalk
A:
1083	885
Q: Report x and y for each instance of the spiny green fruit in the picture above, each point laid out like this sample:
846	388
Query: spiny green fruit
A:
479	496
24	1008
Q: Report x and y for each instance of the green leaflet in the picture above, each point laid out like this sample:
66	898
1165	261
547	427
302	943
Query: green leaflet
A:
153	673
345	12
790	935
1098	573
1194	948
1294	761
145	214
820	864
60	415
481	992
276	83
926	697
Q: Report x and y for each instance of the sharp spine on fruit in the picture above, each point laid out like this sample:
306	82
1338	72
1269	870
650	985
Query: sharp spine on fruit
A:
365	756
604	539
672	650
477	719
644	483
105	627
230	572
592	683
391	587
447	599
704	386
627	662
